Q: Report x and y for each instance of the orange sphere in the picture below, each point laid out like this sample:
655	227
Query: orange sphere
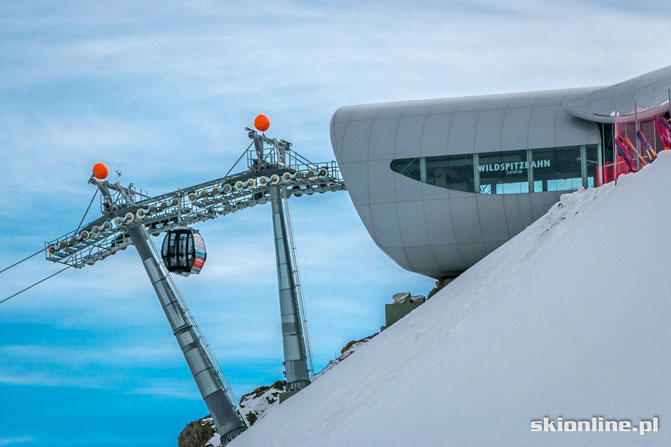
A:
261	122
100	171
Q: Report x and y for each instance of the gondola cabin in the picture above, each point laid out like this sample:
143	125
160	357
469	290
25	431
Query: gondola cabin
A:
184	251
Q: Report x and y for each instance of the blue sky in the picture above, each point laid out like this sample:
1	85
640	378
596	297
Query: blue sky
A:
163	92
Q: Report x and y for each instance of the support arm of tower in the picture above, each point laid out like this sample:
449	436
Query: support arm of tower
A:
226	418
295	359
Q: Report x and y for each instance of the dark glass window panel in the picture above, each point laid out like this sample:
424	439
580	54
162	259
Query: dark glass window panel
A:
407	166
172	251
592	159
189	251
182	248
451	171
556	169
503	172
553	169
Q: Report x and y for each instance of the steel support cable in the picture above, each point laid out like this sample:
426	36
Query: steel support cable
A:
34	284
87	210
238	160
40	251
24	259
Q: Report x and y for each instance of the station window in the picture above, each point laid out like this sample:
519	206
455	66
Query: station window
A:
556	169
507	172
410	167
592	162
503	172
451	171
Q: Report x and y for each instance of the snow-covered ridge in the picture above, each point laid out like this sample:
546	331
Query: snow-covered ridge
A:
570	318
255	405
349	349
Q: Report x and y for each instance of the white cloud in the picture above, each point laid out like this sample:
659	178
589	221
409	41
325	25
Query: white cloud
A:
187	391
16	440
29	378
301	45
145	354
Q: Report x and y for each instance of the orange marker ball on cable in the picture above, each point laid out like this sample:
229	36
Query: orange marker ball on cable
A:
100	171
261	122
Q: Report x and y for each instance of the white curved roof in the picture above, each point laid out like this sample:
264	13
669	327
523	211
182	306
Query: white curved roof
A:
648	91
465	125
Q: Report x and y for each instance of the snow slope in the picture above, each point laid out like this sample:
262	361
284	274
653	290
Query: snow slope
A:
570	318
253	406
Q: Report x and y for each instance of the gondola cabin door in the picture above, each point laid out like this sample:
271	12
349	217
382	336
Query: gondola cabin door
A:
183	251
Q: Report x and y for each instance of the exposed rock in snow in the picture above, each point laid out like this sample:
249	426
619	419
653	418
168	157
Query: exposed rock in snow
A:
198	433
253	406
345	352
571	318
214	440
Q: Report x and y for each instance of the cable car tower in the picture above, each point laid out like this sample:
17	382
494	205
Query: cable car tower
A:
274	173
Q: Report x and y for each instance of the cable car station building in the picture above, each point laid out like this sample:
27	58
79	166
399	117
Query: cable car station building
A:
439	184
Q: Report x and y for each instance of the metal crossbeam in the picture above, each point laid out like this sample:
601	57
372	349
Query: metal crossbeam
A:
106	236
